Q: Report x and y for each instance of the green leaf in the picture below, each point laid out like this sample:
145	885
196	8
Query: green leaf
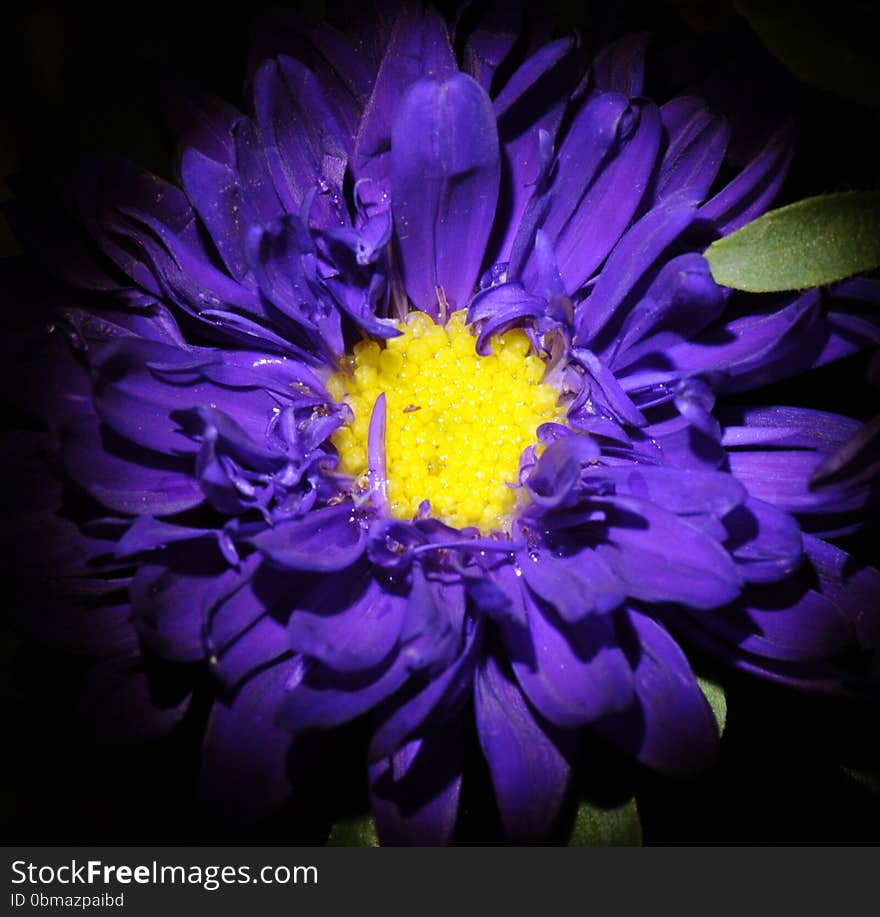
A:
828	45
613	827
714	693
816	241
354	832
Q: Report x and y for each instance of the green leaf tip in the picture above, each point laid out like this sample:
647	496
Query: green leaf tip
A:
815	241
619	826
354	832
714	693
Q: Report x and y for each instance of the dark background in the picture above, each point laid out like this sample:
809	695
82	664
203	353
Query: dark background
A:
88	77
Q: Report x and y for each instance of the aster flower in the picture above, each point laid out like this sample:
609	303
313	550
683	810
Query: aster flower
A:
416	404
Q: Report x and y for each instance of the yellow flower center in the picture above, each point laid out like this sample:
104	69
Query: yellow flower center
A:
456	422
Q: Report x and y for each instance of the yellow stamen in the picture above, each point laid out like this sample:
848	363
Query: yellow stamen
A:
457	423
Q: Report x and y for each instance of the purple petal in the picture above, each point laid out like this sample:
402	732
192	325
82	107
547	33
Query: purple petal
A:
764	542
136	403
500	308
347	57
781	477
244	754
553	482
205	128
631	257
123	186
529	772
531	103
415	793
283	259
240	597
489	44
303	141
376	464
323	541
603	168
678	442
317	697
350	623
658	557
362	304
776	426
608	390
343	64
257	188
419	46
261	643
214	191
805	676
855	461
681	301
108	183
783	621
573	674
695	400
758	349
151	231
208	425
439	701
587	145
123	477
205	123
575	585
671	728
620	67
851	585
445	170
695	151
148	534
366	242
532	73
681	491
847	334
770	436
245	613
752	191
43	540
168	598
857	289
432	631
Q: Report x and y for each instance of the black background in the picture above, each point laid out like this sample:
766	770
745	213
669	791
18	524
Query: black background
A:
92	76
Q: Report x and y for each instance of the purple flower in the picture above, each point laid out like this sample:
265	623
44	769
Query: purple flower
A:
416	404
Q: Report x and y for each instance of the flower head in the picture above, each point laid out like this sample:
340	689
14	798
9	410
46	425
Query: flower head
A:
416	403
